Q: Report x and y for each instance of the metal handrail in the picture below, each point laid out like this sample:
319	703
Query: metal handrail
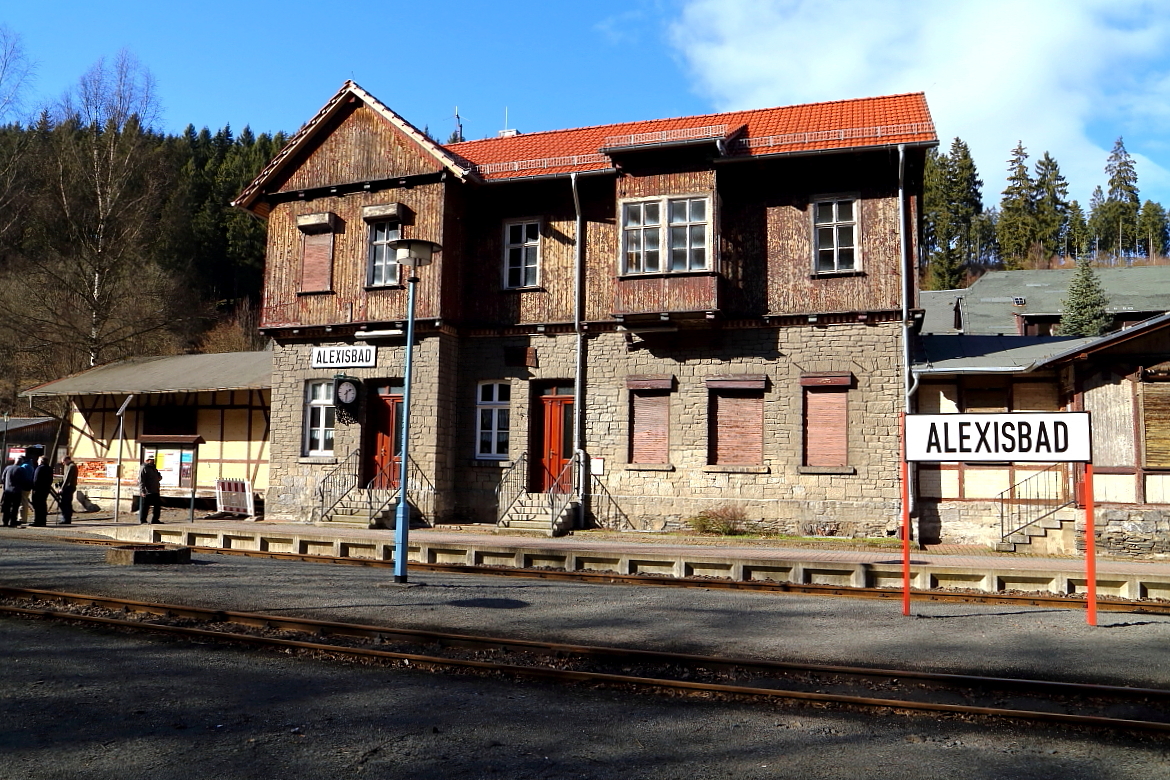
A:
607	507
420	491
513	484
558	499
1032	499
338	483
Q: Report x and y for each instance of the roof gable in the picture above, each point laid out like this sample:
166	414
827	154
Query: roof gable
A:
343	121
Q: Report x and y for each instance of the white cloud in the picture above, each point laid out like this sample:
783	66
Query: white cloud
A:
1064	76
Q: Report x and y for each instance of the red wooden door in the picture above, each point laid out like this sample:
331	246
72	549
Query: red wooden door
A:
384	453
556	445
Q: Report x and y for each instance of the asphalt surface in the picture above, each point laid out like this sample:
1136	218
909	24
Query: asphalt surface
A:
89	702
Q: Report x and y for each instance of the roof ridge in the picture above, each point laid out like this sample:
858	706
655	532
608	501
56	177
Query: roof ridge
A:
686	116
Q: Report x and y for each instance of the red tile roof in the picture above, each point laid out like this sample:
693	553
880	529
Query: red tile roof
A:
841	124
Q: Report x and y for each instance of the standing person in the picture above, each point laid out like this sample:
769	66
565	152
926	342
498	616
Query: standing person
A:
42	484
27	471
13	479
149	491
68	488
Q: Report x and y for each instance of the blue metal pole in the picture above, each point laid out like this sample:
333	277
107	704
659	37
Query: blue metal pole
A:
402	515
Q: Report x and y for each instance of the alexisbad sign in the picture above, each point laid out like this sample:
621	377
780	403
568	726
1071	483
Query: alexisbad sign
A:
345	357
1044	437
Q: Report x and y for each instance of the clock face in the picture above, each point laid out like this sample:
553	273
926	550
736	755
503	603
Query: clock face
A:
346	392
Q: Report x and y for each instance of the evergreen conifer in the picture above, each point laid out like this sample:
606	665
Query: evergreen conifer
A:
1084	304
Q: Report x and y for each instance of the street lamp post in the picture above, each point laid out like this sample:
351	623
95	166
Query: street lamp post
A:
411	254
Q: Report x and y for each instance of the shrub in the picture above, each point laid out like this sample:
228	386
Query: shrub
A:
722	520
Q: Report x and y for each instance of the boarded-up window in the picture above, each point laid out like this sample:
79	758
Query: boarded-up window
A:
1109	398
317	262
826	426
1035	397
649	426
736	427
1156	424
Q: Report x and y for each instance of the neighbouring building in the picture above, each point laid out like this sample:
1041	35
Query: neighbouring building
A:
201	416
656	318
1121	378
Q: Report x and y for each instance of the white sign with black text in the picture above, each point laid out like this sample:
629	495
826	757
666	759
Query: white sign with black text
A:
363	356
1036	437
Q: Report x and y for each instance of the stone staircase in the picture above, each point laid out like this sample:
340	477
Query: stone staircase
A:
530	512
353	511
1052	535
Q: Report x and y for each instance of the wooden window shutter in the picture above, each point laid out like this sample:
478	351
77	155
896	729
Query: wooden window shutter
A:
826	426
1156	424
650	427
737	428
317	262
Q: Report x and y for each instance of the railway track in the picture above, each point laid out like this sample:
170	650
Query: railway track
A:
883	690
1104	604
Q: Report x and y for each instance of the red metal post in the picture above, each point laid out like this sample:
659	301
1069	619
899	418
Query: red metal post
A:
905	524
1090	548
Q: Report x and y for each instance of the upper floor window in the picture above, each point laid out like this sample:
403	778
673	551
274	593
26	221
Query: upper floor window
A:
382	269
666	235
492	422
835	235
521	253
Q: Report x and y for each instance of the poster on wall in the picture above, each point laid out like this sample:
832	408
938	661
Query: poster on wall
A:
174	466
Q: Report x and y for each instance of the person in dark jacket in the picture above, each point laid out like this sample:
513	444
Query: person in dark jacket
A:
68	488
42	484
13	478
149	491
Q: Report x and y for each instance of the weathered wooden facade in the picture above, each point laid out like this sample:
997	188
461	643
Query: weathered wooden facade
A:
676	313
205	416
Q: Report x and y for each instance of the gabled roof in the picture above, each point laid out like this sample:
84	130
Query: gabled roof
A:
812	127
170	374
1109	340
309	133
989	305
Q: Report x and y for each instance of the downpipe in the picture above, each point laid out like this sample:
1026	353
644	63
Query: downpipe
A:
579	383
909	378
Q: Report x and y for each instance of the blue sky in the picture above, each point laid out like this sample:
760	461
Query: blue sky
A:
1066	76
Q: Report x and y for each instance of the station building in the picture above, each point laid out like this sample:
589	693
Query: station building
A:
655	318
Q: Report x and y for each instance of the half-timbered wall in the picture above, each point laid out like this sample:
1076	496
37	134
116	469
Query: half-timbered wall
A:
233	423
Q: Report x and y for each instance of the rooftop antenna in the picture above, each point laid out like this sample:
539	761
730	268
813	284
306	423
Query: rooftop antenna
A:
507	132
458	124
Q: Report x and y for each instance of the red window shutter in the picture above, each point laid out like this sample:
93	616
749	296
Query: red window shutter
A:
317	262
826	419
737	428
650	427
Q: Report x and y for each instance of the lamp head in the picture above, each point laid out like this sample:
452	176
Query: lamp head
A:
414	252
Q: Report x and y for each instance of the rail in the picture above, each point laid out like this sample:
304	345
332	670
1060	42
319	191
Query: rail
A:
1033	499
562	492
381	491
513	484
338	483
605	510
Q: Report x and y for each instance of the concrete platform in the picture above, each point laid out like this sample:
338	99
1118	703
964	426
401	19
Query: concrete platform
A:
989	572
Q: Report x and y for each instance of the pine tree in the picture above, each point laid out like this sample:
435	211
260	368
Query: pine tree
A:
1122	203
1077	236
1016	228
952	204
1151	228
1098	222
1084	304
1051	201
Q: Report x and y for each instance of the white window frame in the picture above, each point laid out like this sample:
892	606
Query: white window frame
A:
316	418
493	418
387	264
835	228
633	261
524	244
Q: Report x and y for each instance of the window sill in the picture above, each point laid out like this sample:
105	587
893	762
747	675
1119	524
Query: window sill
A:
649	467
318	460
374	287
491	462
665	274
315	292
835	274
532	288
729	469
826	470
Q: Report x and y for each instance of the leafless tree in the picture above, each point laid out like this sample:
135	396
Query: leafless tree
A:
16	72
